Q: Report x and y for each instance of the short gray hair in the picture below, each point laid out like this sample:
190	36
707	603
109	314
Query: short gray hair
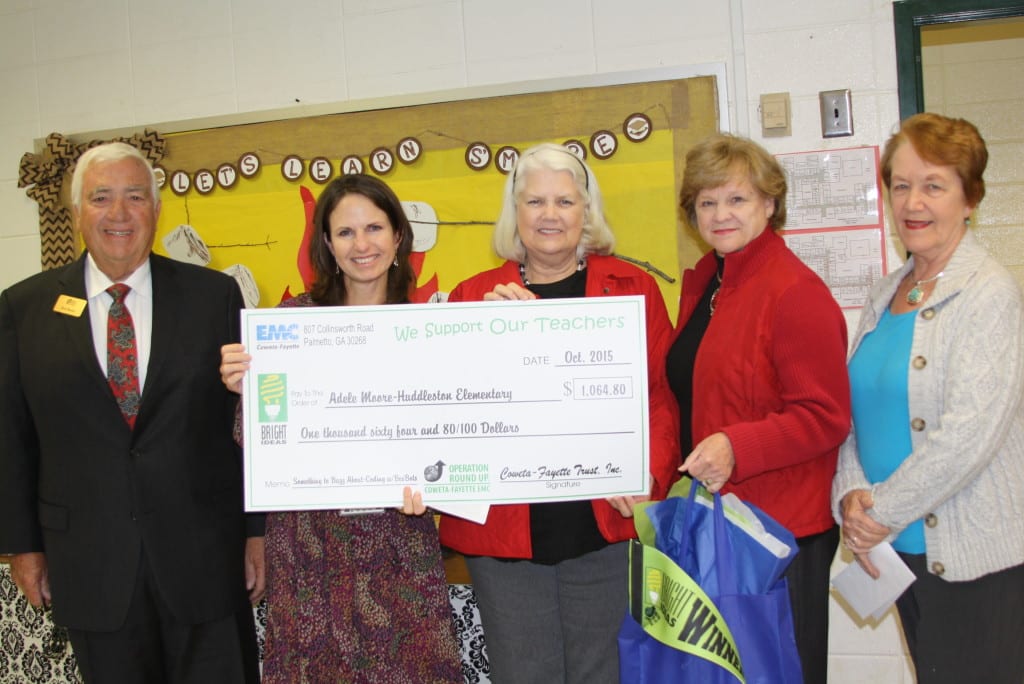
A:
109	152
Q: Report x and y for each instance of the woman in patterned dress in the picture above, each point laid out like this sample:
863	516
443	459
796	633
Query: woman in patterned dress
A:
354	595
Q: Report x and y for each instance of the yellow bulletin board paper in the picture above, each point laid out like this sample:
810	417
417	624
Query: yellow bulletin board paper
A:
259	222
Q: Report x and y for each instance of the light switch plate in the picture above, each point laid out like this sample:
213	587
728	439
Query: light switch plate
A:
836	113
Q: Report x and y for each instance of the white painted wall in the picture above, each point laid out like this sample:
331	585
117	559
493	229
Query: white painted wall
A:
83	65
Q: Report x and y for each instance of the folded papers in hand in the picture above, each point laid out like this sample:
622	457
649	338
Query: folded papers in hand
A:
872	597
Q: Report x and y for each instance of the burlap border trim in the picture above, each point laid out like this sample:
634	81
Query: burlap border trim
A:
44	176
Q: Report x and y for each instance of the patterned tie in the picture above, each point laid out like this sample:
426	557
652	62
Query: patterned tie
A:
122	358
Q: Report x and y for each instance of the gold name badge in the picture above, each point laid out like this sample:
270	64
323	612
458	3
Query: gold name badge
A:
69	306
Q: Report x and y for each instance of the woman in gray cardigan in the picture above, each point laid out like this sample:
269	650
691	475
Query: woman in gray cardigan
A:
935	460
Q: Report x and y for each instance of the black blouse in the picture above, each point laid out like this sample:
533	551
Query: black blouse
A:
561	530
683	355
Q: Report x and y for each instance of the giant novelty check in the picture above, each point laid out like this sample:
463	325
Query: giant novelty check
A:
487	402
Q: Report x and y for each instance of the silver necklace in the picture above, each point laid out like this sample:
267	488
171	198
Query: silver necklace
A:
916	294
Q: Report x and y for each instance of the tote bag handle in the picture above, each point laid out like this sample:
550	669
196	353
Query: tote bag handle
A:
724	557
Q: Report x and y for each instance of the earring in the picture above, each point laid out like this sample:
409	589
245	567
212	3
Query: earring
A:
337	269
396	262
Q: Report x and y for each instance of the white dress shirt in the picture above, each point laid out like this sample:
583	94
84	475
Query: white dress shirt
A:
139	302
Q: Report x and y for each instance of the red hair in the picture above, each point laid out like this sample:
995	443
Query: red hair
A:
943	141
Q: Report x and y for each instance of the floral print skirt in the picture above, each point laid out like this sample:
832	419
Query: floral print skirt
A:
357	598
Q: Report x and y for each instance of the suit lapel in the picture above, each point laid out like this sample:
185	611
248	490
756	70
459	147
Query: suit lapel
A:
168	314
79	328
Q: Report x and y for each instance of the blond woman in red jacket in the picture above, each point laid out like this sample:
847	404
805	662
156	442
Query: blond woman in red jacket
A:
551	579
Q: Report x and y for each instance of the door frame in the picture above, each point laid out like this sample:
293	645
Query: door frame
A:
908	18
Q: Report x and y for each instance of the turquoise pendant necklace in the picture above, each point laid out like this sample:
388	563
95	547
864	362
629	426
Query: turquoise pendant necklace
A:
916	294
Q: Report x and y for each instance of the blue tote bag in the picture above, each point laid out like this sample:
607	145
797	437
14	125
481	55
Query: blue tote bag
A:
679	630
761	547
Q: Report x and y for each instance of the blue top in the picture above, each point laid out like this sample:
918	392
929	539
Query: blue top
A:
881	417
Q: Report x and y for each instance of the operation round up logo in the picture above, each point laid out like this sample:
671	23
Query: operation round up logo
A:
433	472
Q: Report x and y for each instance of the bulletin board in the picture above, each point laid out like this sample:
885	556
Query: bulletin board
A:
255	226
258	222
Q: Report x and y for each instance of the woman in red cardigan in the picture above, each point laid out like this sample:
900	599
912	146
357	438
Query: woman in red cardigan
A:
551	578
758	366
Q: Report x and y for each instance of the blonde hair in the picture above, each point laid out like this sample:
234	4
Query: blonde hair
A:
720	157
597	235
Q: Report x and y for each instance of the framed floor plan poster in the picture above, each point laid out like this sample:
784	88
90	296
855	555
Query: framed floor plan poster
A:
834	219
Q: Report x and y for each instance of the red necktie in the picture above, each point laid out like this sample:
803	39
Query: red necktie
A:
122	358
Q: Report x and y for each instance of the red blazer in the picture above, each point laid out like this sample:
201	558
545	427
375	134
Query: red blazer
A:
506	533
771	374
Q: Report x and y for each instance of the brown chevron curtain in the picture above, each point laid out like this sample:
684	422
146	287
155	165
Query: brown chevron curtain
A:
44	176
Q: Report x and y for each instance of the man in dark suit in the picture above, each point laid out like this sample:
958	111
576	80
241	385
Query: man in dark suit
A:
125	509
